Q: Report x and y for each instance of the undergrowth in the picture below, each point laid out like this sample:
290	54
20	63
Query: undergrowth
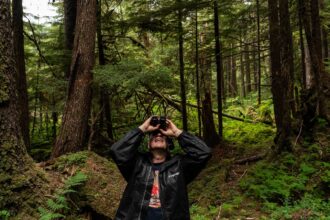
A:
62	205
4	214
295	186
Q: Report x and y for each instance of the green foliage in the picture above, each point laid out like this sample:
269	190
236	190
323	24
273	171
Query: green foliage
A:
309	207
132	73
4	214
294	185
201	213
271	183
59	206
247	134
68	160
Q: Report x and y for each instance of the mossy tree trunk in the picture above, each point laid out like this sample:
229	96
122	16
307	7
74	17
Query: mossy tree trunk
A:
14	160
18	40
72	135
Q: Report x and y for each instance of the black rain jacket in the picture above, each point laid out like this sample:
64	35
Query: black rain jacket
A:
174	175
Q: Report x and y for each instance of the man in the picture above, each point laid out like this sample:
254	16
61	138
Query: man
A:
156	188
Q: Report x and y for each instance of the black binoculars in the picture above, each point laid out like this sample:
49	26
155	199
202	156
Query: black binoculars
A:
155	120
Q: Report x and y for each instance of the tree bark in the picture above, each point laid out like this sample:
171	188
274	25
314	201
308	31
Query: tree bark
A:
314	97
242	71
220	85
302	47
247	68
14	162
209	131
258	52
23	106
197	76
72	135
233	78
182	80
70	14
280	69
105	99
287	64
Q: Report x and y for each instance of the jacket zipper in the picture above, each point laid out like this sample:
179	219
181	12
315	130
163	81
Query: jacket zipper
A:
145	190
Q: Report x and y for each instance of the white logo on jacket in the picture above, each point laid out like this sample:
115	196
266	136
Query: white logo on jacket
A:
174	174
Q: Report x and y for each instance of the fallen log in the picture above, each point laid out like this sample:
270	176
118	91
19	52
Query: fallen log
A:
249	159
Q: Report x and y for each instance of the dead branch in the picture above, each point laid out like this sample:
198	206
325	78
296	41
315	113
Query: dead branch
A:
250	159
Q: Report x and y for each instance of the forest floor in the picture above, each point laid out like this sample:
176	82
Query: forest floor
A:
216	193
241	181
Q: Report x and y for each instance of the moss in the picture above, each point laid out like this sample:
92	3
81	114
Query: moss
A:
4	85
20	181
78	159
4	177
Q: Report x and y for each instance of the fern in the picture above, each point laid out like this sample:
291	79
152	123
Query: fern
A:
75	180
4	214
57	207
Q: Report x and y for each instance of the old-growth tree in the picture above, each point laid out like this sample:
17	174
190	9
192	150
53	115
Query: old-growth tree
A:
72	135
15	165
280	54
18	39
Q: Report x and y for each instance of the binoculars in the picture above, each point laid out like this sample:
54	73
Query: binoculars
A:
155	120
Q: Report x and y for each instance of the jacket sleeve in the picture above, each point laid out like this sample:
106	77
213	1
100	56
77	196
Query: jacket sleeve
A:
197	153
125	152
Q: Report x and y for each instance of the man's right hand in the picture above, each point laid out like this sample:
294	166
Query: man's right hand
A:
147	127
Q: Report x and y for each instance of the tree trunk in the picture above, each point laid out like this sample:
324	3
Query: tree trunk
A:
209	132
228	93
105	99
70	14
247	68
325	44
54	117
23	106
255	71
302	47
219	67
14	162
287	50
242	71
314	98
182	80
197	76
280	69
233	78
258	52
72	135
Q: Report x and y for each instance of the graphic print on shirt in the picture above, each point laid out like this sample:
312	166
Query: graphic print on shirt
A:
154	199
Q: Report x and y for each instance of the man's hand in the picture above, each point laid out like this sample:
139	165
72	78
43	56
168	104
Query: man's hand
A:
172	130
146	127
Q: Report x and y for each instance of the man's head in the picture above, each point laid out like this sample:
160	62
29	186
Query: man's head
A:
157	140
